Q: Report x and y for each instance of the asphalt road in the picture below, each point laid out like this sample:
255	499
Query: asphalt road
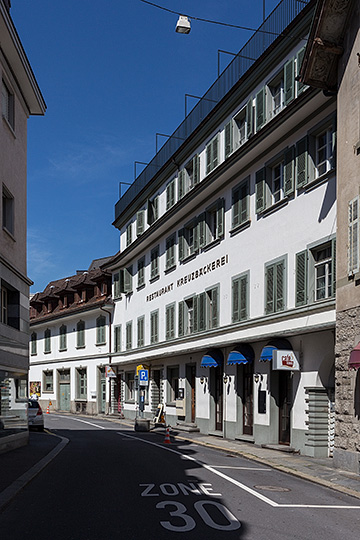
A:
110	483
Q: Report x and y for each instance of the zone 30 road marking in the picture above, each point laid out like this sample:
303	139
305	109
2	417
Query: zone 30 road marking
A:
222	475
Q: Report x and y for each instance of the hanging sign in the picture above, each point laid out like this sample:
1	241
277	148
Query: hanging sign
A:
109	372
285	360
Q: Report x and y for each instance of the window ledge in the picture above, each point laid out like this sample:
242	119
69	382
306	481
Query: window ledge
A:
212	243
245	225
6	121
100	344
170	269
320	180
80	346
188	257
155	278
9	234
275	207
82	400
140	287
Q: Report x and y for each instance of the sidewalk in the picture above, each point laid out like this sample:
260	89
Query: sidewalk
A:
18	467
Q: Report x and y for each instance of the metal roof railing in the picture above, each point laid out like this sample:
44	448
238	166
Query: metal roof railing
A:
266	34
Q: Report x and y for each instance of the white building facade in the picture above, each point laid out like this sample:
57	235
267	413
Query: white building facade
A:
224	285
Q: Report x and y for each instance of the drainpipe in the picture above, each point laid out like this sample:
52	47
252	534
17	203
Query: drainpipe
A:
109	304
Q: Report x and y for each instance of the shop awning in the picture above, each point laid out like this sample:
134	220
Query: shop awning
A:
212	358
354	360
241	354
267	353
279	343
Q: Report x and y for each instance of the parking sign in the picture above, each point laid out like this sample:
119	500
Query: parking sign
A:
143	377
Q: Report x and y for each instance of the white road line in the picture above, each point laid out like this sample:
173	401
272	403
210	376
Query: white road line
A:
239	468
239	484
79	420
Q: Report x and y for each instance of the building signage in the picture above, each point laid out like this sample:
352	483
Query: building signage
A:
109	372
202	271
285	360
143	377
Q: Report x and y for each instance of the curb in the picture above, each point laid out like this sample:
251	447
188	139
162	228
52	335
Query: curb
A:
10	492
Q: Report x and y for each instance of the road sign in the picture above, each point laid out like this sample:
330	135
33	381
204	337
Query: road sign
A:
143	377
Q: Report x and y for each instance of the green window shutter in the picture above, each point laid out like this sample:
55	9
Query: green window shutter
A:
244	200
249	118
154	266
140	222
202	230
128	335
220	217
117	339
208	158
289	80
181	184
140	332
333	152
279	287
201	312
228	139
181	318
150	213
312	169
196	169
127	273
260	111
243	308
215	151
333	265
260	190
301	163
170	195
117	285
235	300
353	237
299	58
236	220
269	280
196	237
170	321
196	316
215	308
289	183
301	278
156	207
181	240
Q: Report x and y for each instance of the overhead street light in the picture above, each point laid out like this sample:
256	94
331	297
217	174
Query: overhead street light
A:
183	25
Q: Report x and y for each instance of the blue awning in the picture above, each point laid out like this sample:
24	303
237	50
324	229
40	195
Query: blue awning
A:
267	353
213	358
241	354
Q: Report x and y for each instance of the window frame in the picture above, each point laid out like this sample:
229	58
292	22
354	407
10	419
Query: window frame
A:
170	252
101	330
170	321
173	378
276	298
240	207
63	338
8	104
155	263
8	211
117	338
240	297
80	335
48	380
154	326
81	383
141	272
47	341
128	330
140	325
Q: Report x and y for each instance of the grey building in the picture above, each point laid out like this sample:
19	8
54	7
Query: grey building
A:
20	98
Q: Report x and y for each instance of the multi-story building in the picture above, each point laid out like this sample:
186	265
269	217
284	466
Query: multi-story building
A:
332	63
20	98
70	342
224	282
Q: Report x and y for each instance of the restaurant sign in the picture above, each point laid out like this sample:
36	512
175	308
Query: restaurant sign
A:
285	360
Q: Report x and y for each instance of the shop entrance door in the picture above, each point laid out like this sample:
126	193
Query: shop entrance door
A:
64	391
218	397
247	398
285	404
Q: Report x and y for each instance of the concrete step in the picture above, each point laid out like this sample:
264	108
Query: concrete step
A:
189	427
279	447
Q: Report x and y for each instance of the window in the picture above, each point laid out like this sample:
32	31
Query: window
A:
81	383
173	380
212	154
4	304
130	386
129	335
170	321
243	125
188	316
62	341
128	235
10	305
126	280
48	378
228	139
7	104
212	309
170	252
188	240
275	287
211	223
154	264
299	58
47	341
275	95
170	194
141	331
80	335
260	109
240	203
315	273
240	298
101	330
33	342
154	326
117	338
153	210
276	181
353	236
322	150
140	222
7	210
116	285
199	313
141	272
189	176
289	81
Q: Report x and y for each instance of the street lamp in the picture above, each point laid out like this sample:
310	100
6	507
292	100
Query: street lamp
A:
183	25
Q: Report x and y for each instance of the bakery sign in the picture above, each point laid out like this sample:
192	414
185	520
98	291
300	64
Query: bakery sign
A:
285	360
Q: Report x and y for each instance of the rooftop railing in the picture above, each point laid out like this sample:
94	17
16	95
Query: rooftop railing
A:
264	36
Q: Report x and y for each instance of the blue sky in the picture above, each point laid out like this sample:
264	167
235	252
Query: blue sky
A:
113	74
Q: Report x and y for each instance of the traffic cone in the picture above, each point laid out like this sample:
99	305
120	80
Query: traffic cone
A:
48	409
167	437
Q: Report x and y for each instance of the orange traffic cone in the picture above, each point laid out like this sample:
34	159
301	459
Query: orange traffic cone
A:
48	409
167	437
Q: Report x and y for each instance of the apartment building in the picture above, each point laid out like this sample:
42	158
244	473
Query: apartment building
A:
20	98
224	285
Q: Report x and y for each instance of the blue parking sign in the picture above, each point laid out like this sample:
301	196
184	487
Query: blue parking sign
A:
143	377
